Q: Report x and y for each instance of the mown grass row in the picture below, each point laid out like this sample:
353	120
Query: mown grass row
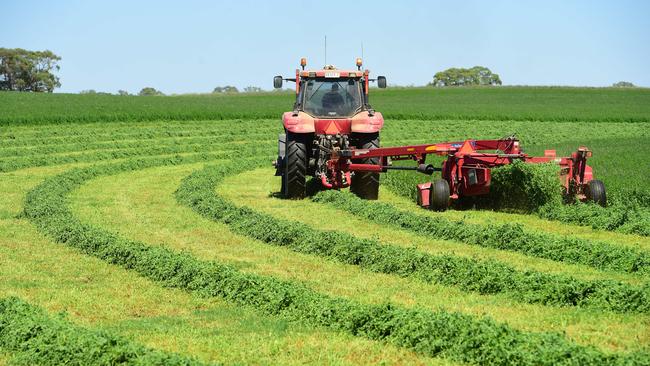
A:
623	215
147	148
129	144
33	337
469	274
536	189
616	172
435	333
125	128
86	143
627	211
218	151
12	141
547	134
512	237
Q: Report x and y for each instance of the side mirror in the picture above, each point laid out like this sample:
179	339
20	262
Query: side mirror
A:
277	82
381	82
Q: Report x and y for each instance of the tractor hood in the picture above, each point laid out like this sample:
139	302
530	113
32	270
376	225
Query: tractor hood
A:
361	122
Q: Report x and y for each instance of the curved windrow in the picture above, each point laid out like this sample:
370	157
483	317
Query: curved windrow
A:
513	237
33	337
469	274
457	336
627	211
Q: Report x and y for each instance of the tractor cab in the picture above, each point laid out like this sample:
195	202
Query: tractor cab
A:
330	101
322	97
331	92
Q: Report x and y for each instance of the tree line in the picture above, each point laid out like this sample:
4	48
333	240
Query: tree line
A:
150	91
28	71
477	75
34	71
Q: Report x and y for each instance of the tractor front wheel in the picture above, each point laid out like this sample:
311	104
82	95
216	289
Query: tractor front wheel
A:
366	184
596	192
295	166
439	195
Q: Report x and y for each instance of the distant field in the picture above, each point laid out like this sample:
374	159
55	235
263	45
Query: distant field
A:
503	103
153	225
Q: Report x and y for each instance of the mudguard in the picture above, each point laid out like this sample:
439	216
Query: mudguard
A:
362	122
298	122
365	123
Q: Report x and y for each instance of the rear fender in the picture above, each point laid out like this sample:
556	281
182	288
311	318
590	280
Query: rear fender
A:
365	123
298	123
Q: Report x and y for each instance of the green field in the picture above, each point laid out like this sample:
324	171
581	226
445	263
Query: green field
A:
479	103
146	230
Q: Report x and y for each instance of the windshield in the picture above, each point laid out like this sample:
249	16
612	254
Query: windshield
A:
332	98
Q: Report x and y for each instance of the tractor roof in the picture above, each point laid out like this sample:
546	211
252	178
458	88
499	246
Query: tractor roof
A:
331	72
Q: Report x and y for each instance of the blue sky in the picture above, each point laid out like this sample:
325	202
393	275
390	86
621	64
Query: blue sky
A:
193	46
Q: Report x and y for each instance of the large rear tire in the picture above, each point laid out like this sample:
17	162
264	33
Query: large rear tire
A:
366	184
295	166
596	192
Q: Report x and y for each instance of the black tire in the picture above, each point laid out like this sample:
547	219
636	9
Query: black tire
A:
596	192
295	166
366	184
439	195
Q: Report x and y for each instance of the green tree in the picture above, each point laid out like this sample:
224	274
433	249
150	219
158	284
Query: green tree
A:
477	75
225	89
122	92
89	91
24	70
149	91
623	84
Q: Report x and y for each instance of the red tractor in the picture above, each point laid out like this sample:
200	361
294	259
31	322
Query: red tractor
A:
332	134
331	113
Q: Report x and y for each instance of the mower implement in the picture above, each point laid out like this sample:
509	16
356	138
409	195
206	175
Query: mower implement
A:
466	171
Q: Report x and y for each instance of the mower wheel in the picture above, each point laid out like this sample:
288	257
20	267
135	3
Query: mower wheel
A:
295	166
366	184
596	192
439	195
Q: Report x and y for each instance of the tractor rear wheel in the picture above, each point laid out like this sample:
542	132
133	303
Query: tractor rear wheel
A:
439	195
366	184
295	166
596	192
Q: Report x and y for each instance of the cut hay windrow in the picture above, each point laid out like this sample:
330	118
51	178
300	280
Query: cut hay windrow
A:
59	148
468	274
17	141
532	188
142	150
32	337
220	151
621	216
464	338
525	187
512	237
529	188
198	127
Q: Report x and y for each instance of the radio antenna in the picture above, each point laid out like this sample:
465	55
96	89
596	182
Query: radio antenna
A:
362	52
325	50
